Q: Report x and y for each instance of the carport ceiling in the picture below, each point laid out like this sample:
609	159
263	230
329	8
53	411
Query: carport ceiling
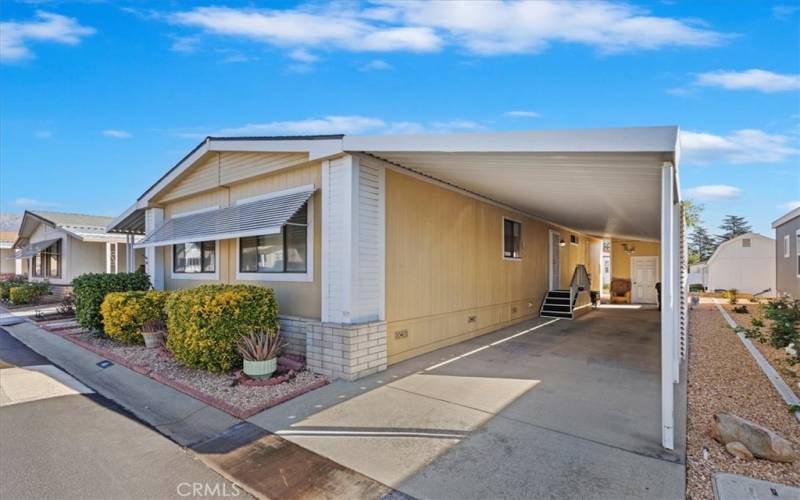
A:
604	182
601	194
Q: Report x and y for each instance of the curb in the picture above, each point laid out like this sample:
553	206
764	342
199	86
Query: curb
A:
240	413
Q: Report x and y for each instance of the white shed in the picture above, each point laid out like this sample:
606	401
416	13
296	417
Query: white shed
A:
746	263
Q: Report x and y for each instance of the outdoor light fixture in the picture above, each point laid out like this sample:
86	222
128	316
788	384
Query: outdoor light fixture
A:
630	250
562	243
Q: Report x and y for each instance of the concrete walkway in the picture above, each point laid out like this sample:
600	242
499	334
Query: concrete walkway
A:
545	409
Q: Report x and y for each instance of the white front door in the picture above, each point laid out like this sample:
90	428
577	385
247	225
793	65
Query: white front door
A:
555	260
644	275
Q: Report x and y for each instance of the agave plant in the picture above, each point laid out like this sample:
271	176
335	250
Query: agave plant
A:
260	345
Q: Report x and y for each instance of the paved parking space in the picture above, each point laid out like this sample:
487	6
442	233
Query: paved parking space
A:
544	409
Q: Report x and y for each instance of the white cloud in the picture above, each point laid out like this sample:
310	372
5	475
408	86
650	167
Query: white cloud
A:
33	203
752	79
43	134
185	44
116	134
302	55
376	65
782	11
521	114
740	146
790	205
714	192
16	36
335	124
486	28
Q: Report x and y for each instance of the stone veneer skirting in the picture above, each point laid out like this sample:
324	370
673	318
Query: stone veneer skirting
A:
337	350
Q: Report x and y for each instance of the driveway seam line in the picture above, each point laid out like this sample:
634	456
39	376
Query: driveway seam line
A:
497	415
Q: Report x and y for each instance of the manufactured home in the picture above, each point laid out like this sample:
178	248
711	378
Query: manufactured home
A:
745	263
382	248
8	263
58	247
787	253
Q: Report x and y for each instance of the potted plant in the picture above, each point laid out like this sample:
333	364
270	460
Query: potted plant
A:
153	332
260	349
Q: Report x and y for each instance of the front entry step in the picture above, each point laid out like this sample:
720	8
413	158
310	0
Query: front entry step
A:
557	304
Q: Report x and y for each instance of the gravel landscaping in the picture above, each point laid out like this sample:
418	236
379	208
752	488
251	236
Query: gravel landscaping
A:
723	376
240	400
776	357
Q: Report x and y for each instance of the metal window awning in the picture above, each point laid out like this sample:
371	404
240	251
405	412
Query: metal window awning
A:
265	216
35	248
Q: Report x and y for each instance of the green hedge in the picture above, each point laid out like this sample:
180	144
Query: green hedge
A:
9	281
696	287
28	293
91	289
124	313
204	323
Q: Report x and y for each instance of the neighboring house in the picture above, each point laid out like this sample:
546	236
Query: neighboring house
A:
787	253
8	264
698	274
381	248
745	263
58	247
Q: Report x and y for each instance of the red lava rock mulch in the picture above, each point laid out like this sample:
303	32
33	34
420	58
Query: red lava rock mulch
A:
724	377
224	391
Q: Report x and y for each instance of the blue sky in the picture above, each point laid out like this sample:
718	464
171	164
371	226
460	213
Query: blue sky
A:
99	99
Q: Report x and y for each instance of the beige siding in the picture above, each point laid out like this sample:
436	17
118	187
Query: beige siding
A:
86	257
444	265
621	261
7	262
294	298
223	169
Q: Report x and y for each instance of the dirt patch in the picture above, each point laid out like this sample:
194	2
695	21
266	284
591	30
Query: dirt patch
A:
777	357
723	376
220	390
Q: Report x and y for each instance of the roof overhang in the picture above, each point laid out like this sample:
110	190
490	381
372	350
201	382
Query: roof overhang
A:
786	218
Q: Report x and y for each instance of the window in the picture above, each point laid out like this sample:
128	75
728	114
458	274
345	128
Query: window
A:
746	242
47	263
512	239
573	239
797	250
786	250
284	252
192	258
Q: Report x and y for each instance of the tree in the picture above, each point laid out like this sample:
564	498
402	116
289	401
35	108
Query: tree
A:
733	226
701	245
692	213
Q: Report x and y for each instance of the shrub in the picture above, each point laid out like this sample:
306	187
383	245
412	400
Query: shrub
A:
205	323
9	281
696	287
125	313
731	296
90	290
28	293
785	316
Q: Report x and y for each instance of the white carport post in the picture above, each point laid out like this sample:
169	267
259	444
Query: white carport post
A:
153	255
667	313
130	257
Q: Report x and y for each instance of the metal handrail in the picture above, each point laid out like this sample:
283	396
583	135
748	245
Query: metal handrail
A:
580	282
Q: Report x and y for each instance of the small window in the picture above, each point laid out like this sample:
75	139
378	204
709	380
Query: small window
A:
512	239
786	249
284	252
36	266
746	242
197	257
573	239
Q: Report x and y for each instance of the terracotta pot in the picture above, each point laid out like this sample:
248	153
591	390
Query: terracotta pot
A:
260	369
153	340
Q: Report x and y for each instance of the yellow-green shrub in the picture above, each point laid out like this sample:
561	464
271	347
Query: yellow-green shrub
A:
124	313
204	323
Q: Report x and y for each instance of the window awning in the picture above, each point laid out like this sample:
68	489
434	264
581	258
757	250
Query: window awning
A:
35	248
265	216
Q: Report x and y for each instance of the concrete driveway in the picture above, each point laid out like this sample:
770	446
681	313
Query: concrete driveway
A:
544	409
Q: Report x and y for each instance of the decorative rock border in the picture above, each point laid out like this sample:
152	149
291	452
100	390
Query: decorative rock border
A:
220	404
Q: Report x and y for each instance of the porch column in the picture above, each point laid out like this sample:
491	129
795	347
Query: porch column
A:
667	314
351	341
676	290
108	257
130	258
154	256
